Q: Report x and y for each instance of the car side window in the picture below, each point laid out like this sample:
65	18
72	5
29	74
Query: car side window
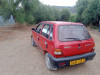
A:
51	33
39	27
46	31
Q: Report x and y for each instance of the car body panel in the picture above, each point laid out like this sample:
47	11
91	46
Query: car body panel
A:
69	48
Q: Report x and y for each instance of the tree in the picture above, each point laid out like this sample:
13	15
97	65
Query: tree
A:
30	11
8	8
21	10
91	14
81	5
65	15
73	18
57	14
44	13
88	12
30	8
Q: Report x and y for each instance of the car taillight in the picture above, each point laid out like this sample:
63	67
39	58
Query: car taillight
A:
57	52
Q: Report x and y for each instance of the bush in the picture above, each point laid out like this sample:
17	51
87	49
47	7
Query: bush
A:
94	27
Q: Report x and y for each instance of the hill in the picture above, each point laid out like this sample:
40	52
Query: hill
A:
71	9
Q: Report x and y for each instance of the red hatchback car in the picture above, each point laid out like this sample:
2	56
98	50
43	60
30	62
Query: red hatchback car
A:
63	43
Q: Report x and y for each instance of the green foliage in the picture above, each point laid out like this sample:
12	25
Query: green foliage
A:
65	15
94	27
45	13
31	11
57	14
81	5
21	10
88	12
73	18
19	17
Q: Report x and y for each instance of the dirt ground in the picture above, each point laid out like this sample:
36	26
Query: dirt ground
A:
18	57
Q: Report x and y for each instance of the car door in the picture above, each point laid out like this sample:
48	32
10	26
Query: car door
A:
37	33
46	38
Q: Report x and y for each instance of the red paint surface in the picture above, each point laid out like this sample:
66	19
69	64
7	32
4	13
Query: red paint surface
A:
70	48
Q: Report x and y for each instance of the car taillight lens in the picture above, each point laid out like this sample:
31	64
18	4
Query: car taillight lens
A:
57	52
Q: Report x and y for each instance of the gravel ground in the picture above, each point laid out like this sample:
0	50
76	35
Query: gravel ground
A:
18	57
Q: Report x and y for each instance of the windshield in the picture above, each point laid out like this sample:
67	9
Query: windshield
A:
72	33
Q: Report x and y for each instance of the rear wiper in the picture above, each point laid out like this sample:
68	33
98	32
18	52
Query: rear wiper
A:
75	39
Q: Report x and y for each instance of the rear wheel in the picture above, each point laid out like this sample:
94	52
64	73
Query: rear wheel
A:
49	65
32	41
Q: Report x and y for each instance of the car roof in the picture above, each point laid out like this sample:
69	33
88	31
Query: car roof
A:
62	23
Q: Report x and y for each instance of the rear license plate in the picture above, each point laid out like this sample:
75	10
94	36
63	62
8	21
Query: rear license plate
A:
74	62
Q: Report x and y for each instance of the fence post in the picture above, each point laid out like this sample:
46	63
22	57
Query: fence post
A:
99	25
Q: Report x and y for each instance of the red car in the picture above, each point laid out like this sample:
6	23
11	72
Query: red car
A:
63	43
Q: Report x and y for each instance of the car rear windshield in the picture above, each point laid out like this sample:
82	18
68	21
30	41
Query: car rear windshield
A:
72	33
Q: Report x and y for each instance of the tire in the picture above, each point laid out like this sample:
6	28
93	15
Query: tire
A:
32	41
49	65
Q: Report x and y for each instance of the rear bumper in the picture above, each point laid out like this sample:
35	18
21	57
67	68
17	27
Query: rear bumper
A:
66	60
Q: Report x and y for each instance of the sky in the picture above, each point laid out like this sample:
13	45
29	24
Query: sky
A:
59	2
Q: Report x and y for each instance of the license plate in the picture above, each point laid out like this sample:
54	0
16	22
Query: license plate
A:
74	62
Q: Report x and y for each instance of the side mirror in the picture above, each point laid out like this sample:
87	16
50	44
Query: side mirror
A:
33	29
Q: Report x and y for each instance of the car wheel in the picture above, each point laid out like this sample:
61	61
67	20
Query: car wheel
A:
48	63
32	41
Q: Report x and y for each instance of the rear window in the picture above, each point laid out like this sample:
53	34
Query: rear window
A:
72	33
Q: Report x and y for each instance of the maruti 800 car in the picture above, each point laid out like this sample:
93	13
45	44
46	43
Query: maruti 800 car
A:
63	43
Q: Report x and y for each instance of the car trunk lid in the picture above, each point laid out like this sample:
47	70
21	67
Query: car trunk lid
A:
76	47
